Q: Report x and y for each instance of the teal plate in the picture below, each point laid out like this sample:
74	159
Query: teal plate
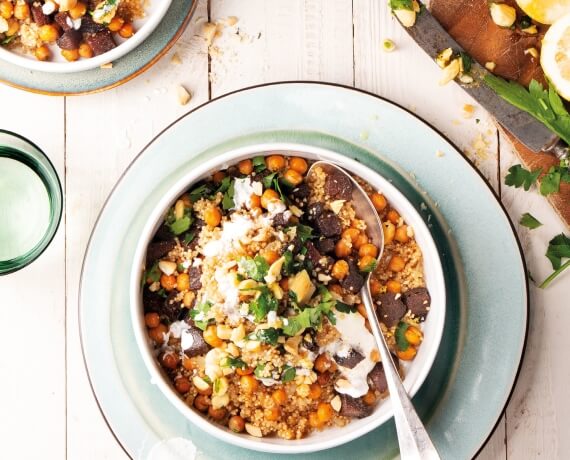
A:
470	383
123	70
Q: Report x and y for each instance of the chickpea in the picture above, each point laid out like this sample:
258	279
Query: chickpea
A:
389	231
116	24
78	10
314	420
368	249
351	234
236	424
362	310
188	299
272	413
360	241
336	288
85	51
279	396
396	264
183	282
169	360
218	177
268	196
217	414
13	27
298	164
270	256
408	354
187	363
413	335
168	282
315	391
48	33
375	287
213	216
323	363
182	385
341	249
211	337
202	403
255	201
248	383
323	378
378	201
152	320
402	234
127	31
245	167
394	287
157	333
324	412
284	284
244	371
275	162
6	9
369	398
365	263
340	269
22	11
70	55
42	53
393	216
292	177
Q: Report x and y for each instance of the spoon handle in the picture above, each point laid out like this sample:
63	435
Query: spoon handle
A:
415	443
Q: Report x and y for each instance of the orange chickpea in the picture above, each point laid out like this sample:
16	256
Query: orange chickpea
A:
275	162
314	420
187	364
325	412
272	413
6	9
169	360
78	10
183	282
340	269
248	383
116	24
213	216
255	201
48	33
369	398
218	177
70	55
396	264
168	282
245	167
268	196
13	27
362	310
375	287
360	241
393	216
157	333
182	385
42	53
408	354
202	403
323	363
394	287
211	337
270	256
315	391
413	335
341	249
389	231
402	234
279	396
236	424
22	11
298	164
336	288
366	262
244	371
284	283
368	249
85	51
217	414
127	31
378	201
351	234
292	177
151	320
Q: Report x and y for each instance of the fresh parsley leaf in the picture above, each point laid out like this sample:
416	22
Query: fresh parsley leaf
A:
256	268
308	317
288	374
466	61
199	314
304	233
345	308
543	104
401	4
181	225
224	185
267	181
228	200
525	22
188	237
8	40
519	176
235	363
259	164
288	262
201	191
558	249
269	335
153	274
162	293
529	221
258	371
400	335
263	305
550	182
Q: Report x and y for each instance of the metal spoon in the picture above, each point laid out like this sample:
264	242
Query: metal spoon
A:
413	438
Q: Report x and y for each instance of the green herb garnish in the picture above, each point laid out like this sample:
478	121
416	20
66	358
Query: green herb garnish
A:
269	335
288	374
304	233
529	221
259	164
224	185
558	249
228	200
267	181
525	22
181	225
235	363
8	40
400	335
519	176
154	273
256	268
550	182
258	371
188	238
345	308
401	4
263	304
466	61
370	267
202	311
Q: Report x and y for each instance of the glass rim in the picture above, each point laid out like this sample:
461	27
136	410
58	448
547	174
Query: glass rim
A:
21	149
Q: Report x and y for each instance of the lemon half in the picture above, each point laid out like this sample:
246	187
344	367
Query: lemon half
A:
555	56
545	11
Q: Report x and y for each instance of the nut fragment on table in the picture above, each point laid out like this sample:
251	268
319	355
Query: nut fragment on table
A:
503	15
450	71
184	95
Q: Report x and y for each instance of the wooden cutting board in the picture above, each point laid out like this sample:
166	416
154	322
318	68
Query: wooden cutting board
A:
470	23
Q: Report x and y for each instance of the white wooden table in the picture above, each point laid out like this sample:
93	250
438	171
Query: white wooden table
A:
46	405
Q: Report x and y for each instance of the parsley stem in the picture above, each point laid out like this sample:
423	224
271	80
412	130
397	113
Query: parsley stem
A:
554	274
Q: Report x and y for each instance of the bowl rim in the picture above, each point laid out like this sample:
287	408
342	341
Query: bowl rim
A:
150	24
226	159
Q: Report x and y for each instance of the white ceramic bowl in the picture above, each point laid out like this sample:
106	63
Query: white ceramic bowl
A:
416	372
155	11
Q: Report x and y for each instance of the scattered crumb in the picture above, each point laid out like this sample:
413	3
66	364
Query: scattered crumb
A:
364	135
175	59
184	95
109	65
490	65
455	122
468	110
209	32
439	153
388	45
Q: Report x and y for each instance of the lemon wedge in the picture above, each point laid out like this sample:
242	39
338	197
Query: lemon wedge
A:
555	56
545	11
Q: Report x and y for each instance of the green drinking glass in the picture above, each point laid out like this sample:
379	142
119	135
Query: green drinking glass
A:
31	202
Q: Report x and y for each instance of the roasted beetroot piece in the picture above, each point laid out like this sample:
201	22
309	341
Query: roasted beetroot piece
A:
171	307
418	302
391	309
159	249
197	344
326	245
64	21
38	15
89	26
354	281
100	42
70	40
195	273
338	186
354	407
377	376
329	224
152	302
281	220
350	360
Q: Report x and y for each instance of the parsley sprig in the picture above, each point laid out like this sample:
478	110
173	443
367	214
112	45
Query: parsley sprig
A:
529	221
558	249
550	182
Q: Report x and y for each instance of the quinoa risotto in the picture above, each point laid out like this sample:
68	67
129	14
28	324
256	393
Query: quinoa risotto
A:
252	304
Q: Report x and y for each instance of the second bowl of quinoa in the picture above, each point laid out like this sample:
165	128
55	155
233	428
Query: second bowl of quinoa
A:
245	299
